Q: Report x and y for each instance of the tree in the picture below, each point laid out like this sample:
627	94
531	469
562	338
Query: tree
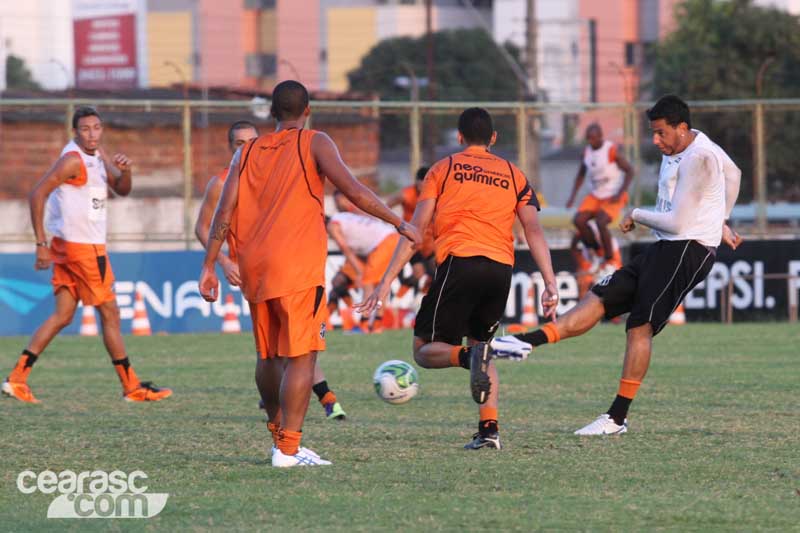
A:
17	74
715	54
469	67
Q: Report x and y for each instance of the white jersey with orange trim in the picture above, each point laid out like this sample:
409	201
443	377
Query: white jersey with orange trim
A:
362	233
76	209
602	170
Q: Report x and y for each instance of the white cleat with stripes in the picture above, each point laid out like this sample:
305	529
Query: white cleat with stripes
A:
303	457
603	425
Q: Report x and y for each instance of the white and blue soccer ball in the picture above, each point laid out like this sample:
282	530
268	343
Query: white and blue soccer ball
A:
396	381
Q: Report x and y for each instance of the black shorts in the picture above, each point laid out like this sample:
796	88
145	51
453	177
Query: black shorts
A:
467	298
655	282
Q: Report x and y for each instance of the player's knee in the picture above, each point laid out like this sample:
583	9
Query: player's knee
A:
64	318
338	291
109	314
603	219
581	218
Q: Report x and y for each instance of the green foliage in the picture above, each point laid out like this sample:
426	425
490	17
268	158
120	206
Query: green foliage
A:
713	444
17	74
715	54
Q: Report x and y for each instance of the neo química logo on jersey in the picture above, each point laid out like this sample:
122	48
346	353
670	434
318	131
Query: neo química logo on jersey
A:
96	494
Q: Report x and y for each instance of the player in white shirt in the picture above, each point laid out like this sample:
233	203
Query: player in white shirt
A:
697	189
367	245
610	175
74	195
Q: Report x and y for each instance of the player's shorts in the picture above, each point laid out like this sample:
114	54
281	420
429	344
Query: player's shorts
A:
467	298
291	325
655	282
84	270
593	204
376	263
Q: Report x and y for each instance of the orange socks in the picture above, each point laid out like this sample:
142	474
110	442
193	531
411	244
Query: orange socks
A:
126	374
551	332
273	429
288	442
487	424
329	397
23	367
628	388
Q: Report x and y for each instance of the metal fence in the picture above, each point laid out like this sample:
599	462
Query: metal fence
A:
178	144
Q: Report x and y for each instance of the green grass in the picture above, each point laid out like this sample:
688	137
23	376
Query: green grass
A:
713	443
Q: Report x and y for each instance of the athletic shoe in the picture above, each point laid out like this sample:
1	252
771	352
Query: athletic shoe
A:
303	457
334	411
303	449
510	347
355	331
20	391
478	372
147	392
604	270
603	425
492	440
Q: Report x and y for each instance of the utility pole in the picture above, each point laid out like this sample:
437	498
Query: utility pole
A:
430	64
531	93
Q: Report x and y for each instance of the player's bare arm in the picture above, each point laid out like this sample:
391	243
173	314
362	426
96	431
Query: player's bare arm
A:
331	165
67	167
335	231
540	252
423	214
119	170
220	225
579	177
202	228
733	179
627	168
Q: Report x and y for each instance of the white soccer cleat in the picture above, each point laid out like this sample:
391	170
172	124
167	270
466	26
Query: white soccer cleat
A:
510	347
303	457
603	425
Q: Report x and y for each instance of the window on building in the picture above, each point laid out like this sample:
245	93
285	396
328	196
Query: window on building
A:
259	4
260	65
630	54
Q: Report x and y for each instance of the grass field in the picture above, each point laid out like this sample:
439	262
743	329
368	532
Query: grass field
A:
714	442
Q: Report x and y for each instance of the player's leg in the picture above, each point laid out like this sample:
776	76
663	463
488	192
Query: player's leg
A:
603	220
581	221
16	383
327	398
269	373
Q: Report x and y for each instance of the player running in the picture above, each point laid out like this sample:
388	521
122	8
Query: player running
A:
240	133
697	188
70	203
471	198
272	206
604	166
367	245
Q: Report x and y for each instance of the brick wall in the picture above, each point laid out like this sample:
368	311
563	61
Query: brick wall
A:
29	148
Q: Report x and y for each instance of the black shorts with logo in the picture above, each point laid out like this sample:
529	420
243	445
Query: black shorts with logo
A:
655	282
467	298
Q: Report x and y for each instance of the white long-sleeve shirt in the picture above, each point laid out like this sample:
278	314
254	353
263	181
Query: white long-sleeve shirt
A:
697	189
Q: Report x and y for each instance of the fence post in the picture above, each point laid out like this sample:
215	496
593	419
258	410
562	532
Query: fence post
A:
637	157
522	138
187	173
68	119
414	131
760	169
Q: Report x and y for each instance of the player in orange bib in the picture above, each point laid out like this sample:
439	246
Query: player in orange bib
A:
610	174
472	199
70	203
240	133
272	204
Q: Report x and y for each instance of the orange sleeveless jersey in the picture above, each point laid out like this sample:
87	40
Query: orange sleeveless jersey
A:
477	195
409	202
278	225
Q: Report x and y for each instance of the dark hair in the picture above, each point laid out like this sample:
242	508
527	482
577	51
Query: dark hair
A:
672	109
594	126
82	112
475	124
421	172
289	100
240	125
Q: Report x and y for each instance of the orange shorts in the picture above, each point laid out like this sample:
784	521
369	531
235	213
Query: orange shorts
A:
377	262
594	205
291	325
84	270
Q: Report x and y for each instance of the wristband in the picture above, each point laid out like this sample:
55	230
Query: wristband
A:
42	243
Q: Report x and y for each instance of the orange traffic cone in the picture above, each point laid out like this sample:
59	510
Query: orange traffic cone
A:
141	324
347	318
230	324
529	318
88	322
678	316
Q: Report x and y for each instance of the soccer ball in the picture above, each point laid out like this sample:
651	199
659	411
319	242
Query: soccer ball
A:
396	381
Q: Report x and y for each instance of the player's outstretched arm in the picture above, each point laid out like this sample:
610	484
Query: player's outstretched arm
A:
627	168
579	177
202	228
540	252
68	166
220	225
335	231
402	255
331	165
